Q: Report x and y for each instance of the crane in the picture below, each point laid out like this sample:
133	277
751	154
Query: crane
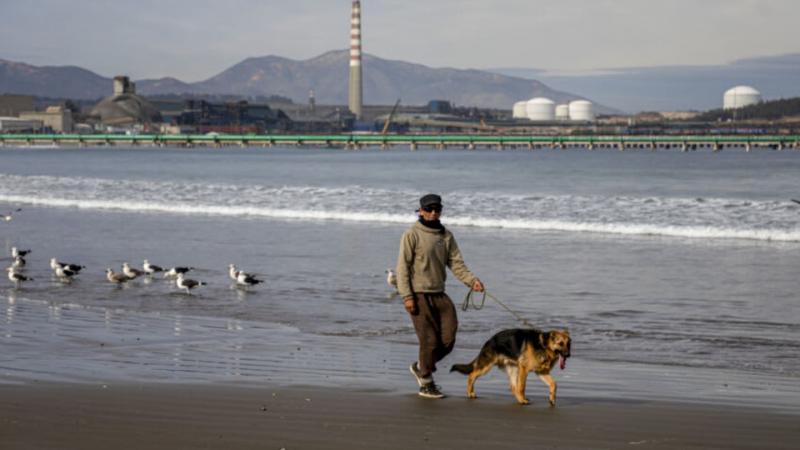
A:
389	119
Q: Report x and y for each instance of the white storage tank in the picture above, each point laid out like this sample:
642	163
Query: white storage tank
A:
520	110
541	109
562	112
582	110
740	96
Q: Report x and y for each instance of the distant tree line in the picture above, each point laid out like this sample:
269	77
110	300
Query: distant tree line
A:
771	110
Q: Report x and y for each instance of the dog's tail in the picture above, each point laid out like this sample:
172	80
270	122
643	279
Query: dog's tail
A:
466	369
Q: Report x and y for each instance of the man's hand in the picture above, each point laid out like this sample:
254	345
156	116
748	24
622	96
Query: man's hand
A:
477	286
410	304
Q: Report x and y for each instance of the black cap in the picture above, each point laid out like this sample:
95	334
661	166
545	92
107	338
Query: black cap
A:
430	200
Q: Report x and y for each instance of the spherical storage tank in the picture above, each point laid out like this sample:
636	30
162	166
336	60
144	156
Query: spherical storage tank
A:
582	110
562	112
541	109
740	96
520	110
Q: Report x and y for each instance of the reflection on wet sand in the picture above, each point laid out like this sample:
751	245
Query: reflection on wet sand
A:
11	311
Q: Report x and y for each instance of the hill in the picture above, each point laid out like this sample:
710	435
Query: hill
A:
384	82
52	81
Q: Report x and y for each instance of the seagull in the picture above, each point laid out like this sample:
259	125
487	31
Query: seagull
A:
65	274
19	262
9	215
17	277
232	272
130	272
247	280
16	252
175	271
55	264
116	278
188	284
150	269
391	278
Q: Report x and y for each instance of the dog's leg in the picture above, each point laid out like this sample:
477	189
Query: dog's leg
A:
551	383
473	376
513	373
523	380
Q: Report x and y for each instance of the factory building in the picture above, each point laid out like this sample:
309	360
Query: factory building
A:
440	107
55	118
541	109
17	125
739	97
124	108
232	117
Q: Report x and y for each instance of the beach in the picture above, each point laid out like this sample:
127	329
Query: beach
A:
156	416
674	272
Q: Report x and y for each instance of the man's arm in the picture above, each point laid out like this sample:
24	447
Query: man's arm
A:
405	260
456	264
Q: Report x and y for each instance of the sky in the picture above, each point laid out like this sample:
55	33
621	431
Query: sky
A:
193	40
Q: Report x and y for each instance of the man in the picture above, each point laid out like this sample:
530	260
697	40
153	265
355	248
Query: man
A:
425	250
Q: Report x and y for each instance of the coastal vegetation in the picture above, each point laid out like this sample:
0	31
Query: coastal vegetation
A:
771	110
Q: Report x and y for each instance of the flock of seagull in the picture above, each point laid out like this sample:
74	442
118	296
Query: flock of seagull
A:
67	271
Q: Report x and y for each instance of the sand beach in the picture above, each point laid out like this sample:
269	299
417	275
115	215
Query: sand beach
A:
157	416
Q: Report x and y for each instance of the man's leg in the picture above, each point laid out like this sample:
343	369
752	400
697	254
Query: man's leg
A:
426	324
448	325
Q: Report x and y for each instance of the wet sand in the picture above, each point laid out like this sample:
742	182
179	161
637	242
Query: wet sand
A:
218	416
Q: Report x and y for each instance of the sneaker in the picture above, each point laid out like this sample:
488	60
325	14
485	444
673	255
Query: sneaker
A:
422	381
430	390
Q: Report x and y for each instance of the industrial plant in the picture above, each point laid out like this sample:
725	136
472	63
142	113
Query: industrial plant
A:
544	110
124	111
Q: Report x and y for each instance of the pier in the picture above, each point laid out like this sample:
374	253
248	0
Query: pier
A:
417	141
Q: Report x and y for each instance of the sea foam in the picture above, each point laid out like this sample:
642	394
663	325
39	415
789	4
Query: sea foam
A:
707	218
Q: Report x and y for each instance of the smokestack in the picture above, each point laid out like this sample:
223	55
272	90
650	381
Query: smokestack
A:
355	60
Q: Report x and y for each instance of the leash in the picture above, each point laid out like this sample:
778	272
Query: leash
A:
470	301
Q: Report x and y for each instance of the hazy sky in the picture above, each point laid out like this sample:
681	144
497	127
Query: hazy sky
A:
196	39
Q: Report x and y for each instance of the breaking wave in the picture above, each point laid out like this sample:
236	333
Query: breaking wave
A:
709	218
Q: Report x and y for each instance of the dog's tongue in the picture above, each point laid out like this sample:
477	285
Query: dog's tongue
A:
562	362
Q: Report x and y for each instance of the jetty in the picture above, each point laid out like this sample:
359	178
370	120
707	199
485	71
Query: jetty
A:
415	141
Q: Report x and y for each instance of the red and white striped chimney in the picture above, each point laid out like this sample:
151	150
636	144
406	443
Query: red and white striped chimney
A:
356	89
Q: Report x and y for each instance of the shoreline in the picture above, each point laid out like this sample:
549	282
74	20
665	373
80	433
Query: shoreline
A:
156	416
68	344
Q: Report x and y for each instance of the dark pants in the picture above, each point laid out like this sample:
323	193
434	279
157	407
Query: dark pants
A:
436	324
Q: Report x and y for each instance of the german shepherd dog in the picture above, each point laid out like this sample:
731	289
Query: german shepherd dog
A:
519	351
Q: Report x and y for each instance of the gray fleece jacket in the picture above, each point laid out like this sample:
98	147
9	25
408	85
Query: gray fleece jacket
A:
424	254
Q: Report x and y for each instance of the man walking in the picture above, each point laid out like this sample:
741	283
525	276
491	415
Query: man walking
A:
426	249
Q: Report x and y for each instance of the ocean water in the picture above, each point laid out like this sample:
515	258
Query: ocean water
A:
676	273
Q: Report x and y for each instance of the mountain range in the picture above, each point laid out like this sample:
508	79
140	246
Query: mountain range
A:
675	88
384	82
668	88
